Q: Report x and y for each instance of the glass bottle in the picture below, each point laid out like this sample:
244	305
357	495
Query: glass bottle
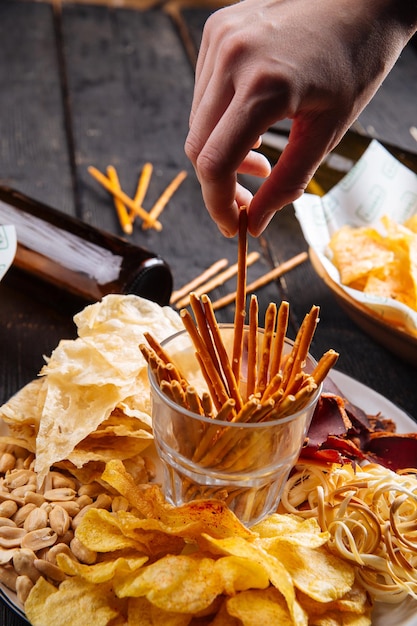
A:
75	257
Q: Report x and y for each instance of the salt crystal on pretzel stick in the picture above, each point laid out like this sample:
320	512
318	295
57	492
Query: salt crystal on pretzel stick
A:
198	280
240	311
232	384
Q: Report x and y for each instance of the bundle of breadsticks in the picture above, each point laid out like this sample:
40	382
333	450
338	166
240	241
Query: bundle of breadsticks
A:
277	384
272	385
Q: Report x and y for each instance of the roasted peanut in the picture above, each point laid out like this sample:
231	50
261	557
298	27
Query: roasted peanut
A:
19	478
49	570
20	516
58	548
91	489
23	563
34	497
119	503
8	577
11	537
23	588
59	520
62	493
38	539
82	553
84	500
7	554
8	508
23	490
7	462
71	507
6	521
60	480
37	518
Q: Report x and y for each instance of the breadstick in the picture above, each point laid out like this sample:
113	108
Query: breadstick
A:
252	365
106	183
270	318
143	184
198	280
122	213
218	280
325	364
233	387
240	310
279	340
263	280
164	198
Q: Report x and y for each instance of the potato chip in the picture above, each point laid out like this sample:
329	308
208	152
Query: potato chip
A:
142	613
76	602
178	583
100	572
383	264
86	379
357	251
260	607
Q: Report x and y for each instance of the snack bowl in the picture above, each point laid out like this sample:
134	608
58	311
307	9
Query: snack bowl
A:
397	339
245	464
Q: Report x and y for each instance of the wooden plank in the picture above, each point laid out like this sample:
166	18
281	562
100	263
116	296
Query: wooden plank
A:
33	156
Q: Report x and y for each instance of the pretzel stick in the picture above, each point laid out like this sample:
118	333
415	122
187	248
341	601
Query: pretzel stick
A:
105	182
306	335
270	318
240	310
263	280
122	213
199	280
164	198
252	364
324	365
279	340
233	387
210	372
142	188
193	400
218	280
200	318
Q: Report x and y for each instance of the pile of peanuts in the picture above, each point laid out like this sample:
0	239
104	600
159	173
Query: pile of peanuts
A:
37	524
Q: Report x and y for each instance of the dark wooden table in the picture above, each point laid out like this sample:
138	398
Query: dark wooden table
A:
96	85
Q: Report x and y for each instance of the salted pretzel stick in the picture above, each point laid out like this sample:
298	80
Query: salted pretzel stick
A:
279	339
263	280
307	331
120	207
156	346
193	400
209	438
324	366
252	364
142	188
218	280
270	319
105	182
232	384
206	404
164	198
198	280
201	321
209	370
240	310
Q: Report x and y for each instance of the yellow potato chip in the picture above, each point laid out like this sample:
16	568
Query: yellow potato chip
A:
142	613
257	607
75	602
100	572
357	251
177	583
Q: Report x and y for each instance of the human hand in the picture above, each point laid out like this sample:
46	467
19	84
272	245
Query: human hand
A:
317	63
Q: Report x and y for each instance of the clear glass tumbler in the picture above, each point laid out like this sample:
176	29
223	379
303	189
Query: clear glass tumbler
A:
244	464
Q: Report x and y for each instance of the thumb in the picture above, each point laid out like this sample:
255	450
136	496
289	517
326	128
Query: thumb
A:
308	144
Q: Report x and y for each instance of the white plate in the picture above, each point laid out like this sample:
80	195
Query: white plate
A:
404	614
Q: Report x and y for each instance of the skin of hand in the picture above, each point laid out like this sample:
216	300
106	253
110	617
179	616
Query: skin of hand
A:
316	62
